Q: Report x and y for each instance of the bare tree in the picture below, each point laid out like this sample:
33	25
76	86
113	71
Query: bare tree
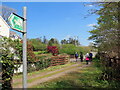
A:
5	12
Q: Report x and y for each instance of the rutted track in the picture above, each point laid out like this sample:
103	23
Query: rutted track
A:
45	76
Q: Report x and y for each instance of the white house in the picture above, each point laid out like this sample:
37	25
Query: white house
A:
4	28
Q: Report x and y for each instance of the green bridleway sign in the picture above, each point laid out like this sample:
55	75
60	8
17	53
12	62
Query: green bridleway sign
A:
16	22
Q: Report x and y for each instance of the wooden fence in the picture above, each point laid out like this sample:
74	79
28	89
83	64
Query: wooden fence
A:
59	60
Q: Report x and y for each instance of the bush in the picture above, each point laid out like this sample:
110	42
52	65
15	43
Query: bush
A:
38	65
8	50
53	50
30	55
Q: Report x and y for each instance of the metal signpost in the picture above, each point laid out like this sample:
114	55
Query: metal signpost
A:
24	50
18	23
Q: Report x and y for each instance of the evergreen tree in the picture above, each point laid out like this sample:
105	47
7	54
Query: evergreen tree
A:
106	36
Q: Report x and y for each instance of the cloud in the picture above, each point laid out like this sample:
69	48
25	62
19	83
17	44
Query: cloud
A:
91	25
89	5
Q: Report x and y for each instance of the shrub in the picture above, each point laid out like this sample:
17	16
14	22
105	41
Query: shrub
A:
53	50
8	50
38	65
30	54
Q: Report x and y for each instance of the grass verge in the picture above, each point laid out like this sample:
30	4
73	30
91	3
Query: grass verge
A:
53	68
85	78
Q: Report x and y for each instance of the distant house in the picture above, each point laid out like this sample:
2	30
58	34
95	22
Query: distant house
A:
4	28
14	35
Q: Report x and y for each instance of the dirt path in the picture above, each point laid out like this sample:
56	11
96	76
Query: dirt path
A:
45	76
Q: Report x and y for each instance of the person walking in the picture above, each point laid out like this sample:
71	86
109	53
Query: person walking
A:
81	56
76	56
90	56
87	58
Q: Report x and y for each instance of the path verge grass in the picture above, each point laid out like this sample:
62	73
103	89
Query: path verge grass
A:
85	78
53	68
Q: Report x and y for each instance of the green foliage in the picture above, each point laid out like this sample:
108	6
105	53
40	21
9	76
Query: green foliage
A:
37	44
71	49
106	36
11	53
19	51
40	52
70	41
40	73
42	47
44	61
84	49
52	41
40	57
68	48
97	63
38	65
86	78
9	49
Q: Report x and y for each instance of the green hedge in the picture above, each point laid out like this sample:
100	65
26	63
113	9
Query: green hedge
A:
38	65
44	62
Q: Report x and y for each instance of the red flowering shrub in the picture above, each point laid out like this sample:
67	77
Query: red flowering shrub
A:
30	54
53	50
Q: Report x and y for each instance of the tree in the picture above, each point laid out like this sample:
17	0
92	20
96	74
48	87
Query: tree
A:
64	41
45	41
70	41
106	36
52	41
6	11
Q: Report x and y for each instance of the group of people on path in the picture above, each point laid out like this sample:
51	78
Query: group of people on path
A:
88	57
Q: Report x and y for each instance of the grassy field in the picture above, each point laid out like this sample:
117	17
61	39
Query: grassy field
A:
86	78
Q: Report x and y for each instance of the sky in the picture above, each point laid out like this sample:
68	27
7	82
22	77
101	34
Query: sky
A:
59	20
